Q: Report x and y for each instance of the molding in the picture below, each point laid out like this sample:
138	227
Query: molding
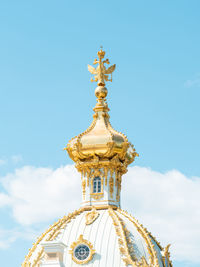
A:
100	207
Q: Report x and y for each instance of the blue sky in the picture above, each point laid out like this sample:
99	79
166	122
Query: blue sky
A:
46	96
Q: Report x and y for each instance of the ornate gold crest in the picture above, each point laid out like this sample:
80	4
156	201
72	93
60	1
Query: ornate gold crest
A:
101	73
76	244
91	216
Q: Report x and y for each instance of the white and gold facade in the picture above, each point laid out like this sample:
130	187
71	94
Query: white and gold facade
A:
100	233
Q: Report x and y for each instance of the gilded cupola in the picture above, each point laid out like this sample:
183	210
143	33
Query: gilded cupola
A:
99	233
100	143
101	153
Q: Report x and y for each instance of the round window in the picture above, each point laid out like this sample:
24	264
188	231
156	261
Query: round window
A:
81	252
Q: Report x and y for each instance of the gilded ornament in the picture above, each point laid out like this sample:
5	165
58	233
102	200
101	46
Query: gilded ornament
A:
101	73
91	216
122	239
166	257
106	175
97	195
111	186
83	187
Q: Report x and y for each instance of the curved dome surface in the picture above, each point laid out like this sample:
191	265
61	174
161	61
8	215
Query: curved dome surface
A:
116	238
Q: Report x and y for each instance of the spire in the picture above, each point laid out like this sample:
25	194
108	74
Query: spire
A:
101	75
101	153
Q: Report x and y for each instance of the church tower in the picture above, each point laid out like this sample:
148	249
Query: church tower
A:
99	233
101	153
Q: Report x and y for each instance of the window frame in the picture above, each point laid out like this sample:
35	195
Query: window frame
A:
97	185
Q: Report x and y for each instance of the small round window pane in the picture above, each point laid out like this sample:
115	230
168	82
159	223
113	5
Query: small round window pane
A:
81	252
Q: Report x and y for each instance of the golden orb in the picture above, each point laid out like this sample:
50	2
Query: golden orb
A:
101	92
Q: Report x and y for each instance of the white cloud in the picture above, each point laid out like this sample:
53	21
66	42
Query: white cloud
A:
193	82
41	194
168	204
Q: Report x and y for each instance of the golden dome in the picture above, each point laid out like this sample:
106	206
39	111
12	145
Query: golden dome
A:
100	142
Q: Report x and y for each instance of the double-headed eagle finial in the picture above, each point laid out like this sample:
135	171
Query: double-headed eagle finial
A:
100	72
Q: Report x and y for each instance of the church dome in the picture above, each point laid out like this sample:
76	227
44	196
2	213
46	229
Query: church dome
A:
100	233
97	237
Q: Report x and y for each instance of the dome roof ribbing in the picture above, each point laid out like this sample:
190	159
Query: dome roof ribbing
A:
117	238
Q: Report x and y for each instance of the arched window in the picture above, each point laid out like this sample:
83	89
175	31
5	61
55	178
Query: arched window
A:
97	185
